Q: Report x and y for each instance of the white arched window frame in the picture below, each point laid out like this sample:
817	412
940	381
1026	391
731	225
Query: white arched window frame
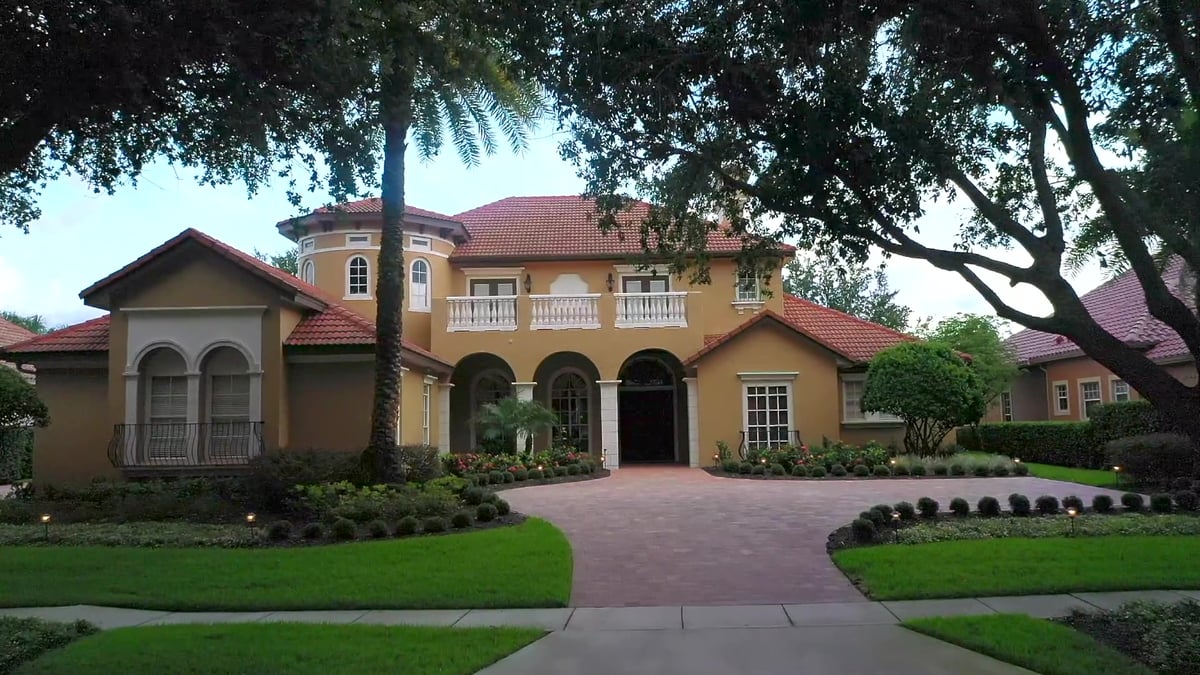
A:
420	285
358	278
308	272
569	399
489	386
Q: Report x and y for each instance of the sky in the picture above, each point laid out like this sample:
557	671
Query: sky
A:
82	237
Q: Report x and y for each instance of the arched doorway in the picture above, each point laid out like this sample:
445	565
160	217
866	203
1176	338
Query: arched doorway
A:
566	384
649	400
478	379
227	414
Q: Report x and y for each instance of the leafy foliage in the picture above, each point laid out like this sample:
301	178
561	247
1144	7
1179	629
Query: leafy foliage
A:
26	639
854	290
928	386
33	323
20	406
1153	457
1111	421
286	261
509	418
1057	443
979	335
1161	635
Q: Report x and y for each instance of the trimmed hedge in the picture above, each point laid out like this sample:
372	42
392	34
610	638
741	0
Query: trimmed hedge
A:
1058	443
1154	457
1111	421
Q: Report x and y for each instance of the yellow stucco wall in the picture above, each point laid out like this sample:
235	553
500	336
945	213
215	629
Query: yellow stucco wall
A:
330	405
73	449
411	410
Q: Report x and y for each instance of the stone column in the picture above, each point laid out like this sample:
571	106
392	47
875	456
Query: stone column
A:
444	418
693	420
610	423
524	392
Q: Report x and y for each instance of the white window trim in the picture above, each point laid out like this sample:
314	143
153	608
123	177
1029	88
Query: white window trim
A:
308	245
765	381
875	418
1011	414
738	301
1082	402
352	245
428	286
1054	397
426	410
427	244
1112	389
358	296
305	268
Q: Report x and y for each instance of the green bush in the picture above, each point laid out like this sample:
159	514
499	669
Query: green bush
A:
988	507
958	529
1181	483
485	513
1133	501
905	470
968	438
885	509
24	639
729	466
16	454
455	484
406	526
1046	505
1059	443
521	474
837	470
461	520
1160	635
1020	470
874	516
1123	419
928	507
999	470
799	470
535	474
1019	505
502	507
343	529
510	478
1073	502
959	506
778	470
957	469
864	531
745	468
1153	457
481	479
881	471
817	471
560	471
313	531
434	524
473	495
420	463
280	530
496	477
1102	504
1187	500
1160	502
759	470
272	475
906	511
861	470
377	529
981	470
572	469
941	470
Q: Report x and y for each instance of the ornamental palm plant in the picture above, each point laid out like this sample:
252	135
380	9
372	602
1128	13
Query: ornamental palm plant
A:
510	419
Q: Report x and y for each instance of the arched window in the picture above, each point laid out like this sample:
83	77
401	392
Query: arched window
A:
358	278
308	273
569	400
419	286
490	388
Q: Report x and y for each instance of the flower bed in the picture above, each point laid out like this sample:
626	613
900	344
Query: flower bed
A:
506	470
840	460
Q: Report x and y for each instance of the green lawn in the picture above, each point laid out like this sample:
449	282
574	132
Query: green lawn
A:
528	565
295	649
1095	477
961	569
1041	646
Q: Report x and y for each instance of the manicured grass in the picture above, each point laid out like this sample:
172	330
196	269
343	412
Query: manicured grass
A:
1041	646
1094	477
963	569
528	565
297	649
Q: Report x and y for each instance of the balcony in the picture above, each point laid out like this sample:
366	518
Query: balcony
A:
481	313
558	312
651	310
566	311
185	445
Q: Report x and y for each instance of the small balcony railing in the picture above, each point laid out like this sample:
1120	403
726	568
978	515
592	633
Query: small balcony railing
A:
779	440
184	444
471	313
558	312
652	310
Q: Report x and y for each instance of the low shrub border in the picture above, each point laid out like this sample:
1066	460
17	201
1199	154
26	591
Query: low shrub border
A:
530	480
901	467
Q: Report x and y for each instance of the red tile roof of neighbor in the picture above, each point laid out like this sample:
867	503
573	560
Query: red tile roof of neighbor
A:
848	336
11	333
375	205
89	336
1119	306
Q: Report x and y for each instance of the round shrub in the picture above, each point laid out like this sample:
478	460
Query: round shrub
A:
906	510
1102	504
874	516
1179	484
1046	505
981	470
473	495
1073	502
1187	500
434	524
502	507
958	470
490	497
535	474
758	470
861	470
587	467
509	477
461	520
313	531
837	470
902	470
999	470
521	474
799	470
280	530
928	507
729	466
573	470
343	529
885	509
485	513
1020	470
778	470
940	470
817	471
864	530
1019	505
496	477
881	471
1132	501
745	468
1160	502
377	529
406	526
560	471
988	507
959	506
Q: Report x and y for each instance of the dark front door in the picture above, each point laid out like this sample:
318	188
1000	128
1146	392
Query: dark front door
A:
647	425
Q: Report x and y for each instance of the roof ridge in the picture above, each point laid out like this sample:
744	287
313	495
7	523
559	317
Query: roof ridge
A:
845	315
47	337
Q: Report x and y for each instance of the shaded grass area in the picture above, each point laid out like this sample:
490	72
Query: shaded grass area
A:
1041	646
528	565
963	569
298	649
23	640
1093	477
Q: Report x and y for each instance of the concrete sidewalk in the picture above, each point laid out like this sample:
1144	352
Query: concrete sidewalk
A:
667	618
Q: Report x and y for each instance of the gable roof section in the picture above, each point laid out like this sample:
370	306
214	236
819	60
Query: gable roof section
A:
89	336
375	205
11	333
1119	306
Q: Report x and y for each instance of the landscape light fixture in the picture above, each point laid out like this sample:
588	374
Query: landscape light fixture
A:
896	526
251	518
539	467
716	458
1117	475
1071	513
1016	460
893	461
46	525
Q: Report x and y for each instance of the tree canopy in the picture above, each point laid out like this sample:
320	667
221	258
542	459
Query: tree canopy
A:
837	123
20	406
979	336
34	323
286	261
858	291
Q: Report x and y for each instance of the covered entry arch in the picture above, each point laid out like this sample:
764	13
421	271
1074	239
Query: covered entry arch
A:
652	408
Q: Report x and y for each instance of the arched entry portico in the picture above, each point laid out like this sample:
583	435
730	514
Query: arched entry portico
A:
652	409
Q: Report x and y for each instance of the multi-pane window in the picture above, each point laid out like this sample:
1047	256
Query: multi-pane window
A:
1089	393
229	416
418	288
426	405
747	286
1006	409
358	277
167	416
852	394
1120	390
768	413
569	401
1062	399
645	284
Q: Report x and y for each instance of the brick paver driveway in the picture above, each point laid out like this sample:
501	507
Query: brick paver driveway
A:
678	536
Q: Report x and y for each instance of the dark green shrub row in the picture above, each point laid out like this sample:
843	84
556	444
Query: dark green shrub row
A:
1157	458
1059	443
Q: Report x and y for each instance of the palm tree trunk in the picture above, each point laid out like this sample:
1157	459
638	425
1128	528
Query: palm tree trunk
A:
389	288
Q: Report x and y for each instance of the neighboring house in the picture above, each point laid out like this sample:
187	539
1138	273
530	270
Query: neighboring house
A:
11	333
208	356
1058	382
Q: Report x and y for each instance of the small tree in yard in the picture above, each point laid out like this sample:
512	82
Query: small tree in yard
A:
511	418
20	409
928	386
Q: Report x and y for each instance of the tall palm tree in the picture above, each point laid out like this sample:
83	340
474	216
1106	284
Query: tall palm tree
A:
445	68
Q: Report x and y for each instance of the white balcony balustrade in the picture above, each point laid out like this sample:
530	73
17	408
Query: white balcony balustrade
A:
652	310
481	313
559	312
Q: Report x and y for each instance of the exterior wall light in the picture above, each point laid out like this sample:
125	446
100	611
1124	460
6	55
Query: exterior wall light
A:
528	283
609	282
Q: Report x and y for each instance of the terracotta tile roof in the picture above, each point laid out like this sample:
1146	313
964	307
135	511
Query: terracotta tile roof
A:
89	336
1119	306
559	227
11	333
339	325
375	205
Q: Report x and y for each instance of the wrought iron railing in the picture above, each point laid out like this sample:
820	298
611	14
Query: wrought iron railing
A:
792	437
183	444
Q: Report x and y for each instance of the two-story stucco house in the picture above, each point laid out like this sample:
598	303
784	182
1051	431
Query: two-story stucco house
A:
207	356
